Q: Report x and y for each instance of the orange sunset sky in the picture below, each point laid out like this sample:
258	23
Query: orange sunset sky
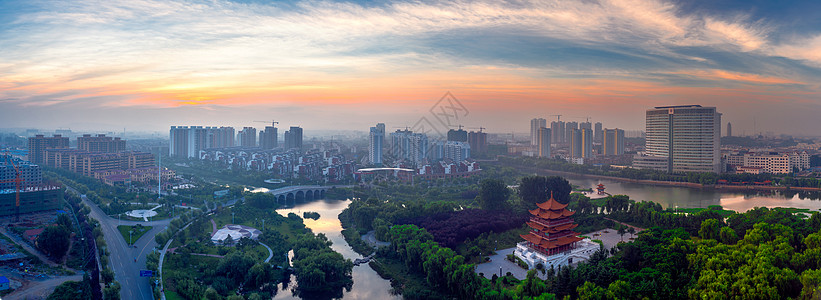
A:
146	65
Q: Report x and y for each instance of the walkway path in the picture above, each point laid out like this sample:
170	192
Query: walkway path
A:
370	238
213	227
270	252
498	262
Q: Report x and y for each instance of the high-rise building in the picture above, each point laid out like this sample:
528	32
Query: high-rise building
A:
478	142
100	143
729	129
268	138
293	138
598	133
688	136
376	142
586	125
451	150
459	135
409	146
568	130
535	124
544	142
38	145
247	137
188	141
581	143
613	142
557	132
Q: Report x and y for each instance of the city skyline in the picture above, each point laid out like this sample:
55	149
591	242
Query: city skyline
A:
347	65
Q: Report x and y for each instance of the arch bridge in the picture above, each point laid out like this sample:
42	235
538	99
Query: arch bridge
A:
301	193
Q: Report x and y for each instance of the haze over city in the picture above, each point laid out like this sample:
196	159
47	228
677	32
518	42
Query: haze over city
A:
346	65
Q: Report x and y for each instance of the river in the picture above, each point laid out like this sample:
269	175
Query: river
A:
671	196
366	283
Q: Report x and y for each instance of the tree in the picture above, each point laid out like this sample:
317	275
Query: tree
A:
54	240
560	188
709	229
493	194
632	231
622	232
533	189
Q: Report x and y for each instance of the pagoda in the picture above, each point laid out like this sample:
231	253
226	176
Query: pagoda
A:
551	240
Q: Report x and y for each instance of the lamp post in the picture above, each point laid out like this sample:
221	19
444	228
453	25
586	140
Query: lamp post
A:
232	217
129	236
676	209
263	225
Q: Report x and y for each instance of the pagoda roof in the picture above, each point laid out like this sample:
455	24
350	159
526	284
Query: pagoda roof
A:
544	243
547	229
549	214
551	204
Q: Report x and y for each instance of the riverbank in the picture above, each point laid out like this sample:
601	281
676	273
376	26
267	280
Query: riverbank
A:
677	183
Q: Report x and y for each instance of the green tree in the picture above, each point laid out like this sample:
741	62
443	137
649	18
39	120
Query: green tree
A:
54	241
493	194
709	229
533	189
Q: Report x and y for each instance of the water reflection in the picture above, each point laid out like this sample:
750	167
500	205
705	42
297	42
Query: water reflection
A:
366	283
671	196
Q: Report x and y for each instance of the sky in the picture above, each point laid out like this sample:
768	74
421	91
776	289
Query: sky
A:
146	65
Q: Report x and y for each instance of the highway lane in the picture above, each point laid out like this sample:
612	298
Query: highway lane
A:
121	258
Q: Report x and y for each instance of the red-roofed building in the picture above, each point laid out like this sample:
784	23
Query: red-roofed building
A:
551	240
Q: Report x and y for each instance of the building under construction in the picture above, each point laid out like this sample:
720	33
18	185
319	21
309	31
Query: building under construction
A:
19	178
32	199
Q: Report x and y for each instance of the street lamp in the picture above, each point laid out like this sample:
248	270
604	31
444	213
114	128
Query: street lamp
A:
129	236
676	209
232	217
263	225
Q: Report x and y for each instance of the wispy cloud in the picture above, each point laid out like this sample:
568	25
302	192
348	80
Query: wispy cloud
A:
178	53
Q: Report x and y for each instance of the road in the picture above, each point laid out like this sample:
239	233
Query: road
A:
41	289
121	260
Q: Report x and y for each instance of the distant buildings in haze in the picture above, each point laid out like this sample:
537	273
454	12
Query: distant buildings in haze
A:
376	144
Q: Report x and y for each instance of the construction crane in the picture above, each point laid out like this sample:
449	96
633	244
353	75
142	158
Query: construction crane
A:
18	181
273	123
558	117
480	128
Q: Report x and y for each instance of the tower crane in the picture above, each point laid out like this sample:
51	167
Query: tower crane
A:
18	181
273	123
558	117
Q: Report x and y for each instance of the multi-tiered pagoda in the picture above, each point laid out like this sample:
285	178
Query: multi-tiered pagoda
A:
551	240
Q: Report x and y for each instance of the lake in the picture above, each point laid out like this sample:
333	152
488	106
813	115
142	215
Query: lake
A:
671	196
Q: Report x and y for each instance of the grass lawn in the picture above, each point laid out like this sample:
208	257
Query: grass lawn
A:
722	212
171	295
138	231
224	217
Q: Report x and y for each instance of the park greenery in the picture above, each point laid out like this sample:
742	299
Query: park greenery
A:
190	271
683	254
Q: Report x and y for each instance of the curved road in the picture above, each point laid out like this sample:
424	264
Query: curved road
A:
121	258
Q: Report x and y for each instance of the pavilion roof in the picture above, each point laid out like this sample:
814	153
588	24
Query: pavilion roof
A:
544	243
549	214
551	204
